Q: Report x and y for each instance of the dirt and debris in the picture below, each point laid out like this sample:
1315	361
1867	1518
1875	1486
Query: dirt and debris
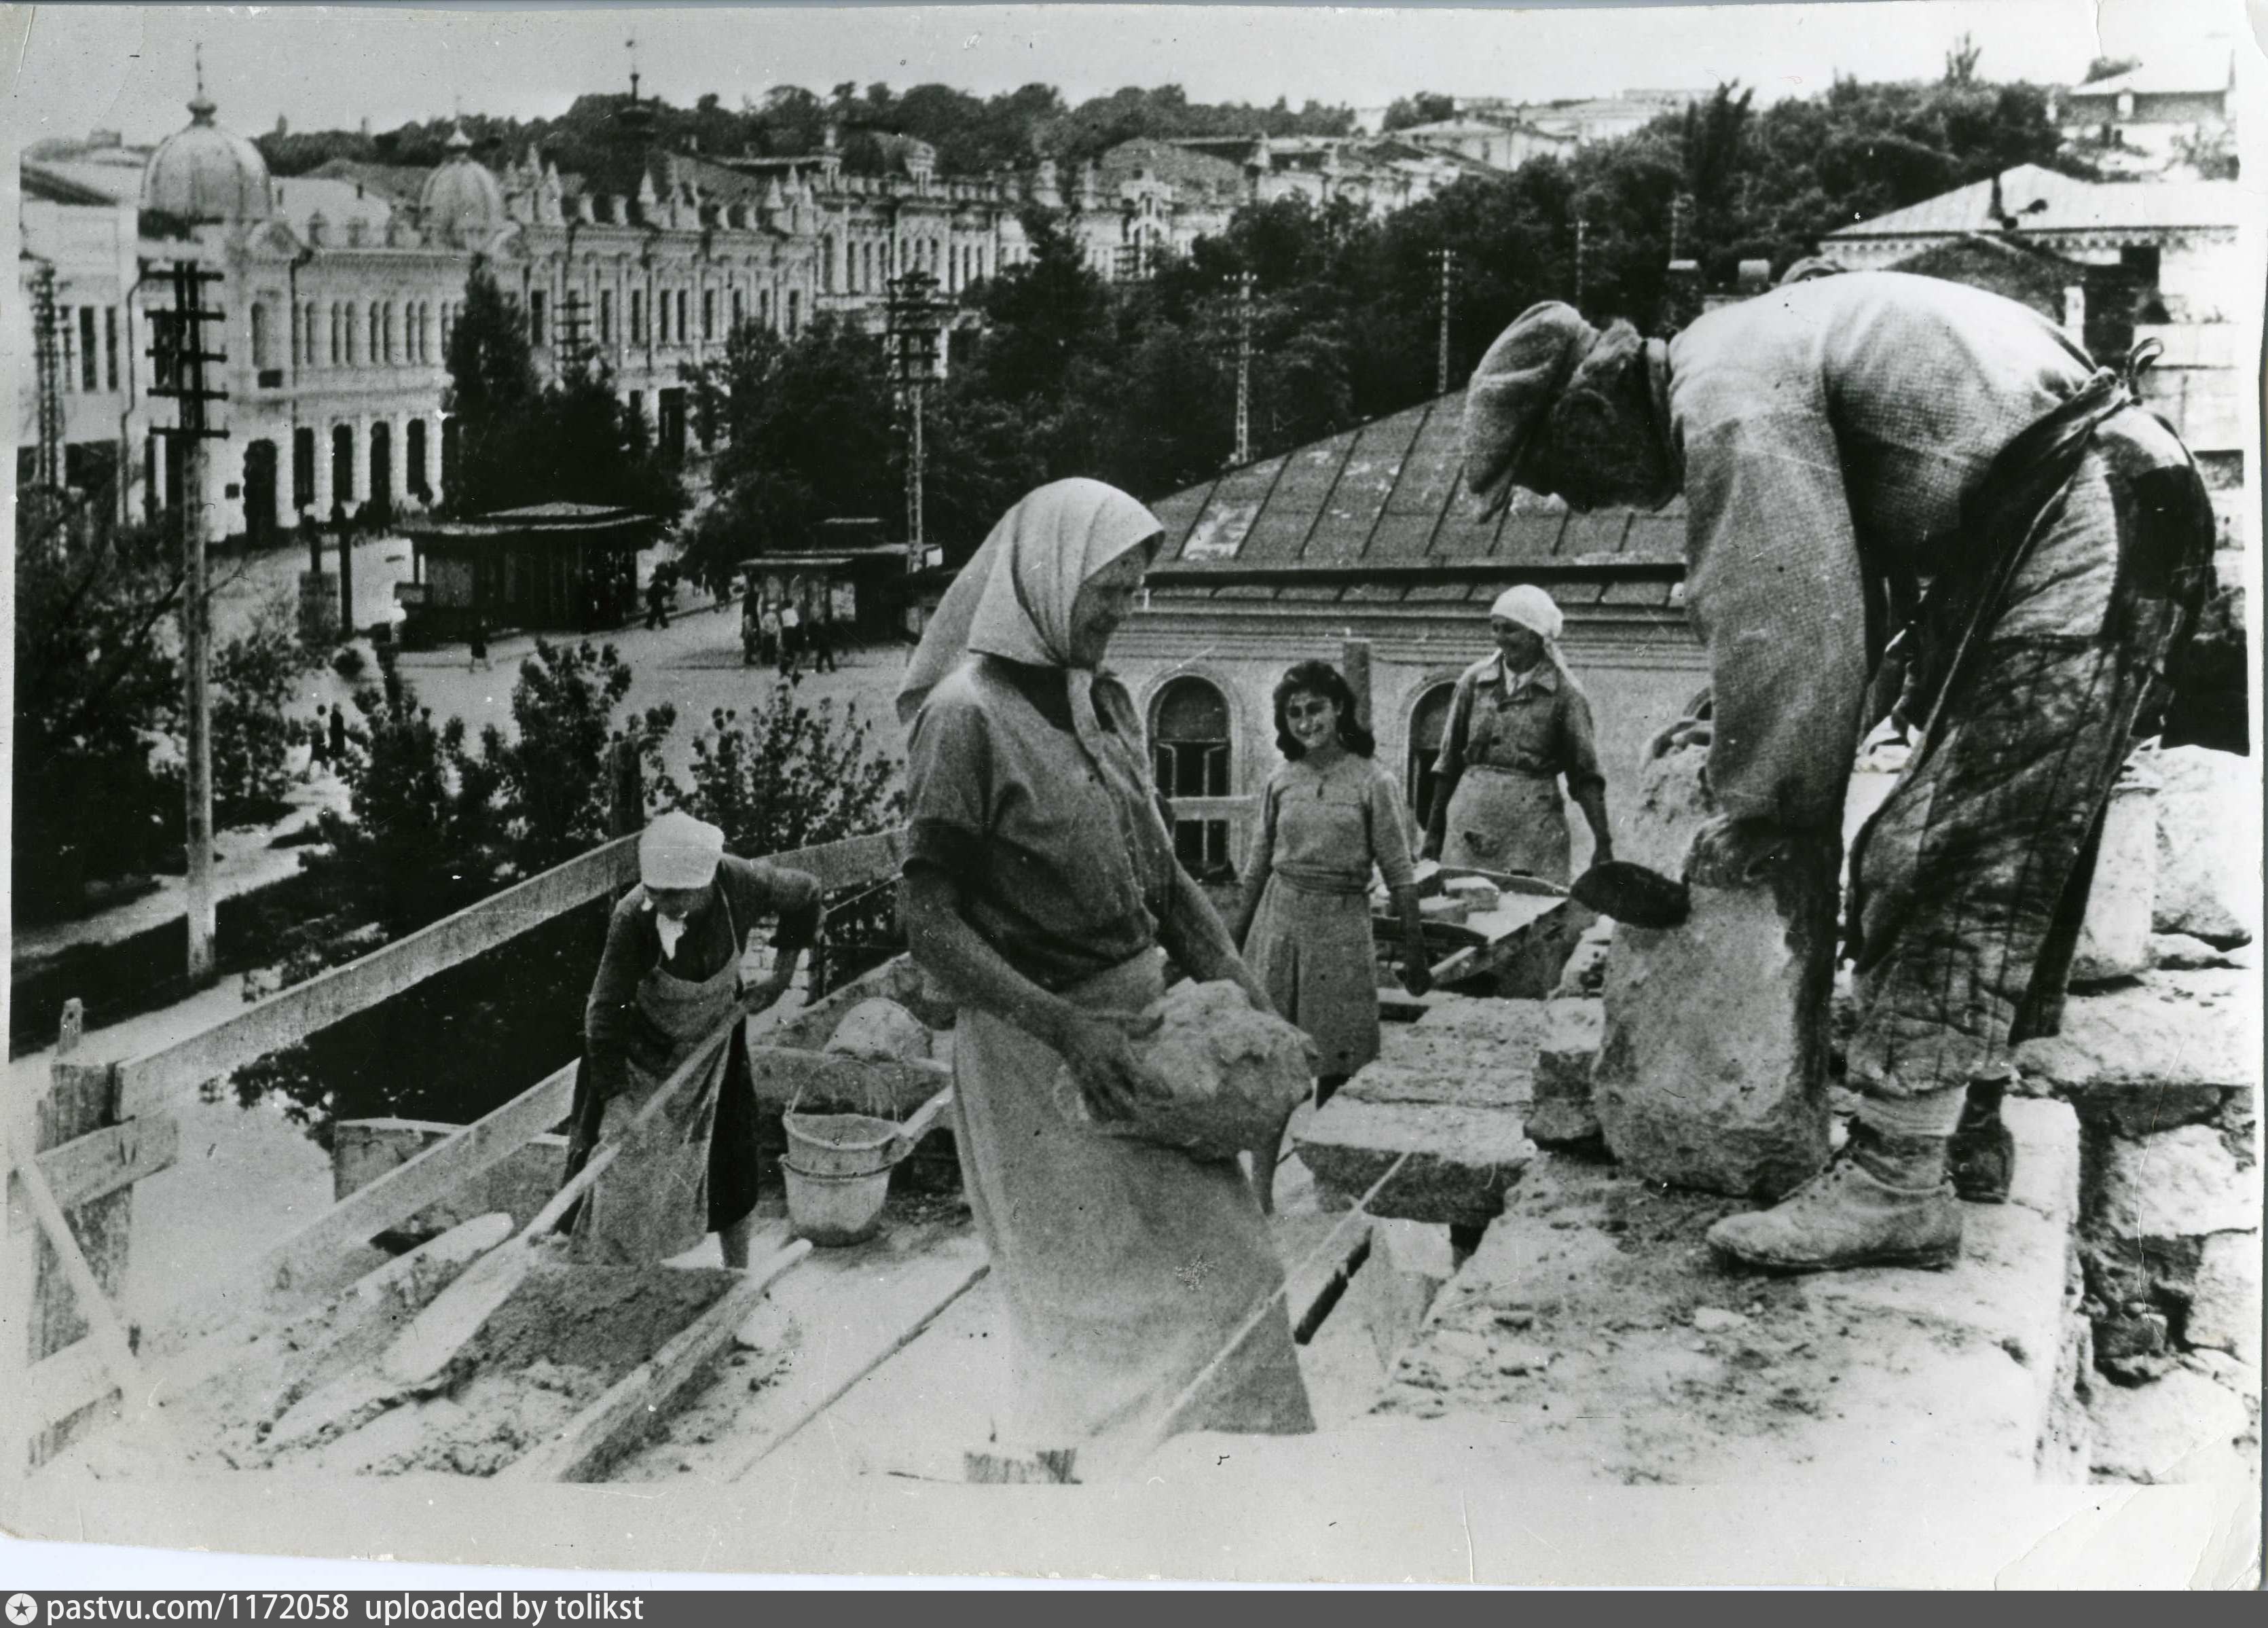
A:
551	1351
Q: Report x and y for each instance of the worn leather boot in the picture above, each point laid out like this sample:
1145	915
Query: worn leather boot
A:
1982	1156
1883	1201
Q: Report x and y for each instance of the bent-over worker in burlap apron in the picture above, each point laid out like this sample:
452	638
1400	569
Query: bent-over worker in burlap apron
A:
666	983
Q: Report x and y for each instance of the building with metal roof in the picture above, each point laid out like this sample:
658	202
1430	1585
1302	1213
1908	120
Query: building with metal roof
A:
2140	122
1369	535
2180	237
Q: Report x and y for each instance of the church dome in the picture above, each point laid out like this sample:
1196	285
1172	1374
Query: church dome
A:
462	201
205	173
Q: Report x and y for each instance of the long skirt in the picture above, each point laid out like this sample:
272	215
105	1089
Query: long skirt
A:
1127	1269
1314	954
1507	820
1969	883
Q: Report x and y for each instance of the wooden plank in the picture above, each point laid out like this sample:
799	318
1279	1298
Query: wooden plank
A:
852	1310
63	1386
105	1331
80	1100
850	861
290	1016
601	1429
101	1163
409	1188
1316	1276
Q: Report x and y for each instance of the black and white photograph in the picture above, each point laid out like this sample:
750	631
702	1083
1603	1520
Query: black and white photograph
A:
1151	794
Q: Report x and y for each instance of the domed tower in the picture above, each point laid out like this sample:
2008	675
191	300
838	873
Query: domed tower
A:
207	174
463	203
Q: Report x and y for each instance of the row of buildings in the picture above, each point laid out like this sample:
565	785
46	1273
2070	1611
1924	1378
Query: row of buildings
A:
340	287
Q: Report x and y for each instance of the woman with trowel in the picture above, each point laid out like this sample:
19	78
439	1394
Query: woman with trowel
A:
669	976
1040	889
1518	723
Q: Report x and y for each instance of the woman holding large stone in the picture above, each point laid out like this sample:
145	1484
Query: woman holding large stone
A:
1039	890
1518	723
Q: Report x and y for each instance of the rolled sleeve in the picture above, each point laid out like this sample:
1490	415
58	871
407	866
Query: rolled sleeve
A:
949	759
793	897
1452	758
610	1014
1389	831
1774	588
1580	743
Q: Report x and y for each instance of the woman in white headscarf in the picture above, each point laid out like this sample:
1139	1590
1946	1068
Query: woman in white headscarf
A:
1040	888
1518	723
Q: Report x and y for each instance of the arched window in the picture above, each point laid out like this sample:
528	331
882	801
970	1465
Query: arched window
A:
342	464
375	350
1189	732
1426	725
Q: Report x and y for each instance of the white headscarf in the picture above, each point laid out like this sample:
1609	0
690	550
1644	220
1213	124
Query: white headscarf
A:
1014	597
1531	607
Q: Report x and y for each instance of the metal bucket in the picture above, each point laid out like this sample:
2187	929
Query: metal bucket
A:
834	1210
837	1171
842	1144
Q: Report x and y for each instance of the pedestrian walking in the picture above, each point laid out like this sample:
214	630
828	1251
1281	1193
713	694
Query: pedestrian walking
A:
319	747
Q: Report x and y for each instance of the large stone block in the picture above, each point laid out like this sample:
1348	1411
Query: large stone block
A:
2114	939
1713	1068
1594	1338
2208	881
2178	1429
1561	1113
2177	1183
2224	1300
2169	1049
1462	1159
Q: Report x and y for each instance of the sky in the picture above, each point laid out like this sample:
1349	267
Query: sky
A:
129	68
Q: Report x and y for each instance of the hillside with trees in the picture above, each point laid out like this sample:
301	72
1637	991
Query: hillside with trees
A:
1135	383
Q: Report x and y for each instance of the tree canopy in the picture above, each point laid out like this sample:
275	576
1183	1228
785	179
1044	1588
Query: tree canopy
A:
520	441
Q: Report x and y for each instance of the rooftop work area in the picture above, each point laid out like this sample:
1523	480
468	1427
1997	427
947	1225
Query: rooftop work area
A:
1508	1302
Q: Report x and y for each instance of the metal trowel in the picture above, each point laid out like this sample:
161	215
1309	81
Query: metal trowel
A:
1634	895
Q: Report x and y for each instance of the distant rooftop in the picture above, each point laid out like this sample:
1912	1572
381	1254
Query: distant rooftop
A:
1388	496
2044	200
2207	69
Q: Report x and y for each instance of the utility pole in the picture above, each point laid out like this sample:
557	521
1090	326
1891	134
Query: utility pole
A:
572	335
1448	258
915	315
180	356
1242	455
47	366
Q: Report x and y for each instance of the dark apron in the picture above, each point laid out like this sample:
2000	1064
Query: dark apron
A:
654	1202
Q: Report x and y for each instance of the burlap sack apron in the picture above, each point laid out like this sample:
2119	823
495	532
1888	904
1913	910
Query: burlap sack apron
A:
1507	815
652	1203
1507	820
